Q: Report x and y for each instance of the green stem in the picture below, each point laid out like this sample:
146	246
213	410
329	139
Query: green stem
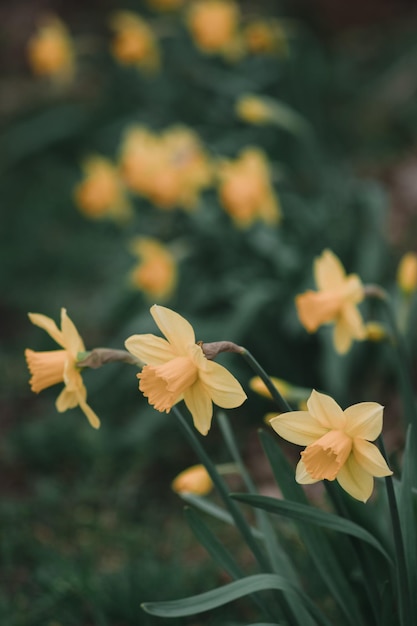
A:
221	487
282	404
403	589
403	366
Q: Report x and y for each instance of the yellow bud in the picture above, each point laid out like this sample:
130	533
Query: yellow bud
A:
284	388
375	331
407	273
253	110
194	479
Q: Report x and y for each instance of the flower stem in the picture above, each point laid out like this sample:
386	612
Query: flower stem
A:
220	485
282	404
403	589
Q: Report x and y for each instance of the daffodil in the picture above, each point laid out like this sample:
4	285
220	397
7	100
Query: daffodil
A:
176	368
60	366
194	479
213	25
51	51
335	301
134	42
156	272
407	273
338	443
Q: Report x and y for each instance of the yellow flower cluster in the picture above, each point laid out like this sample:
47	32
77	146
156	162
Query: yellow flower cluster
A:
246	191
169	168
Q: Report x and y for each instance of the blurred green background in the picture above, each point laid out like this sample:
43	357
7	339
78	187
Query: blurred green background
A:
89	525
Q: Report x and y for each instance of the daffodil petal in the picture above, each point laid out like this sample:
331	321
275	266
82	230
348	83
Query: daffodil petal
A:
199	404
73	342
176	329
353	321
326	411
302	476
354	479
150	349
342	336
222	386
370	459
89	413
329	272
66	400
315	308
298	427
48	324
364	420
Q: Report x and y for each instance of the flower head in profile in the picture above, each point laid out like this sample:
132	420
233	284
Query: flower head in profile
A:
266	37
338	443
101	193
246	190
51	51
60	366
156	272
194	479
335	301
134	41
176	368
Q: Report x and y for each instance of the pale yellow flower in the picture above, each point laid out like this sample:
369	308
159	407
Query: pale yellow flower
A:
337	443
194	479
213	25
407	273
101	193
134	41
246	191
51	51
176	368
254	110
335	301
156	272
60	366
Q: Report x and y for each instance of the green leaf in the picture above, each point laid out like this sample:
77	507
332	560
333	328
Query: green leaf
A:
407	513
309	515
222	595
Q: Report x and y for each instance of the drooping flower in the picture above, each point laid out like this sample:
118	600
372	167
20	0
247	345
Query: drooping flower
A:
51	51
246	191
213	25
176	368
134	41
338	443
156	272
407	273
335	302
194	479
101	193
60	366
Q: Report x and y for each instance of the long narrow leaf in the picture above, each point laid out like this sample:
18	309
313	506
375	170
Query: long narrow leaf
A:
309	515
228	593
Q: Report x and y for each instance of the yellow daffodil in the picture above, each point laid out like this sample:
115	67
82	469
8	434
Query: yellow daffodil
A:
337	443
134	41
246	191
170	168
176	368
101	193
213	25
254	110
256	384
57	366
335	301
407	273
194	479
156	272
51	51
